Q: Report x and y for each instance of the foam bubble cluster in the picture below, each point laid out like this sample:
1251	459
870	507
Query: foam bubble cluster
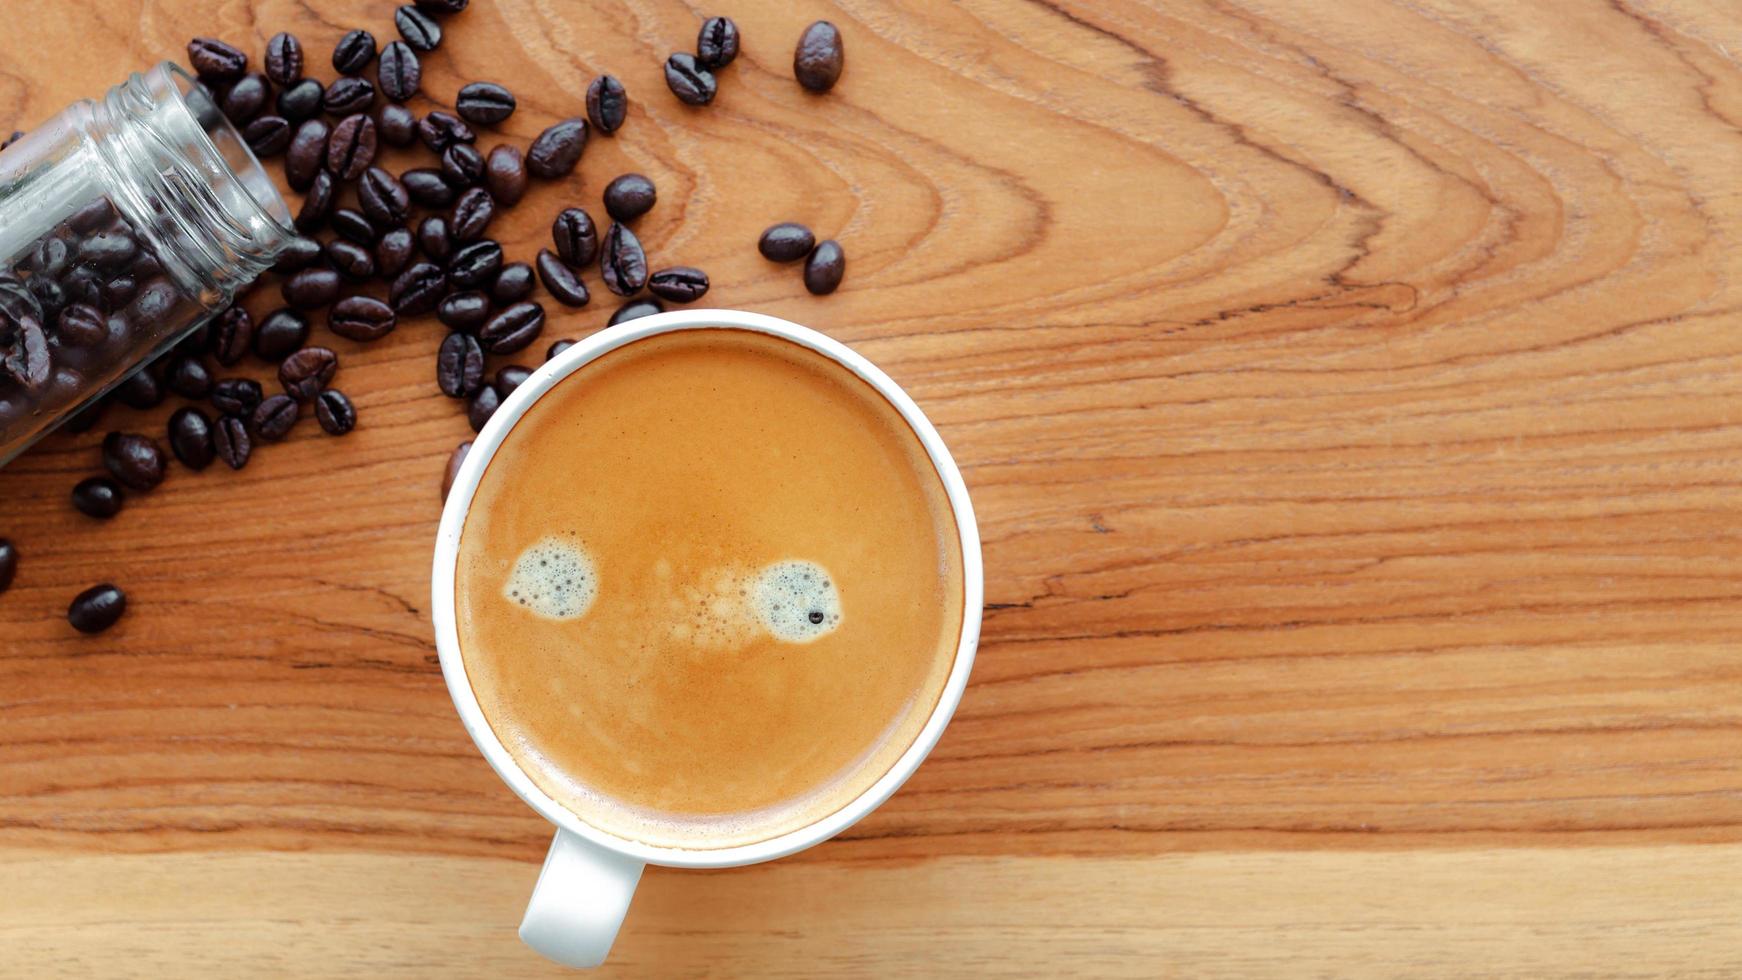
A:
554	578
796	601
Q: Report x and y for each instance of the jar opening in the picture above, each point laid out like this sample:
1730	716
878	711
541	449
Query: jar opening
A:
228	149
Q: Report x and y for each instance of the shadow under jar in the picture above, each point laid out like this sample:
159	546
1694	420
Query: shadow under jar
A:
124	225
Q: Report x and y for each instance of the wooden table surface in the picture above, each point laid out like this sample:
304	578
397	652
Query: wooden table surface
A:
1351	395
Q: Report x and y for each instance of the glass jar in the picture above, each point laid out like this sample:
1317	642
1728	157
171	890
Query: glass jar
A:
124	225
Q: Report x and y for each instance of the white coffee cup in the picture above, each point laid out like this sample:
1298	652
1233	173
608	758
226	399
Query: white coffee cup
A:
590	875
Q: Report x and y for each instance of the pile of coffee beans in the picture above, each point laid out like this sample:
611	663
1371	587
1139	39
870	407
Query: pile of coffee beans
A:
379	249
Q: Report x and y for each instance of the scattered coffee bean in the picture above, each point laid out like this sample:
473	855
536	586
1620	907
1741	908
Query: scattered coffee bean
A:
607	103
400	74
352	260
786	242
98	496
190	437
512	376
335	412
307	154
275	417
576	238
824	269
394	252
396	125
418	28
475	264
452	471
283	332
513	329
418	289
435	239
349	96
284	59
636	310
97	608
428	187
464	311
482	405
133	459
688	80
717	43
819	58
9	552
505	174
267	136
472	214
236	396
462	165
629	196
680	284
232	335
355	226
353	52
556	347
81	325
351	148
215	61
140	390
562	282
302	100
440	130
361	318
484	103
556	150
188	377
304	373
513	284
231	441
312	289
246	99
441	7
383	198
622	263
317	204
460	365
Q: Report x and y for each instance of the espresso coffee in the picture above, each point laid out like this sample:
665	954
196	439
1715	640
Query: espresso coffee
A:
709	589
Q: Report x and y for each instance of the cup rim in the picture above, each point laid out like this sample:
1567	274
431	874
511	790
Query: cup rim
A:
465	486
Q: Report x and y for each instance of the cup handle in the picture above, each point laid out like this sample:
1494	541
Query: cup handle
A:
579	902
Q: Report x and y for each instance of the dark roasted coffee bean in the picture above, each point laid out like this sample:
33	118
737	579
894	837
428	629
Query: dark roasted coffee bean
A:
688	80
317	203
349	96
335	412
311	288
236	396
232	335
460	365
383	198
190	437
418	28
556	347
440	130
51	257
302	100
284	59
246	99
452	471
513	329
680	284
399	73
111	249
280	334
464	311
81	325
97	608
635	311
629	196
482	405
304	373
393	252
418	289
198	341
133	459
475	264
355	226
462	165
275	417
824	269
139	390
472	214
49	295
268	136
435	240
307	154
484	103
361	318
562	282
788	241
353	52
818	60
717	44
26	356
99	497
510	377
154	305
216	61
92	216
505	174
513	284
9	556
396	125
442	7
231	441
556	150
622	263
17	303
354	261
576	238
188	377
84	284
428	187
351	148
607	103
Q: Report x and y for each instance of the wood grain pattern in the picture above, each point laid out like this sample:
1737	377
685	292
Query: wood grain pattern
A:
1351	394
